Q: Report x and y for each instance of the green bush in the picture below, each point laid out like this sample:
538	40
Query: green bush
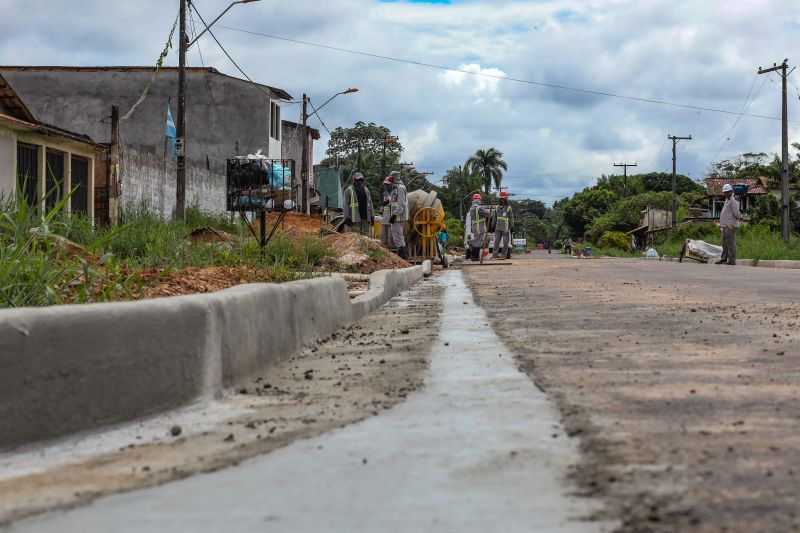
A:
705	231
616	239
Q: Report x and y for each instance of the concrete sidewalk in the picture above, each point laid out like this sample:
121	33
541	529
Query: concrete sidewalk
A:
479	448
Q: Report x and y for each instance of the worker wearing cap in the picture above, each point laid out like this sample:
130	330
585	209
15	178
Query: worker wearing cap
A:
479	219
729	220
503	226
358	214
386	227
398	203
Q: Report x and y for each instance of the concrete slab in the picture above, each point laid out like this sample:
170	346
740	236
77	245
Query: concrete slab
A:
473	451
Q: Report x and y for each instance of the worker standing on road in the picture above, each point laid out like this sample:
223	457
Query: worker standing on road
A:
386	214
729	220
479	218
398	203
358	213
568	246
503	226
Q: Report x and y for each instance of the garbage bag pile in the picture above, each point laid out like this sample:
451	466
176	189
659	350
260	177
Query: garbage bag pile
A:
255	171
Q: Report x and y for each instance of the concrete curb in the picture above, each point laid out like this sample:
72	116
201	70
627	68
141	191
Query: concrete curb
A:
77	367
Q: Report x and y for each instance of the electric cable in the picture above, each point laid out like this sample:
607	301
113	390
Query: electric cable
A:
498	77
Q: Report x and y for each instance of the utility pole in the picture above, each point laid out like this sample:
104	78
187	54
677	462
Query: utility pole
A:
784	148
625	173
304	161
180	137
675	140
113	169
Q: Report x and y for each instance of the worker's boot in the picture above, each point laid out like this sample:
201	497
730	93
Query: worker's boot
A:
403	253
476	254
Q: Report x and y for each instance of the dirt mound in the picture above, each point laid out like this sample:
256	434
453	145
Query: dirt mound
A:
357	253
157	284
295	225
209	235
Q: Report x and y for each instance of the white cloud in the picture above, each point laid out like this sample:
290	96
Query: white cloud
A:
555	141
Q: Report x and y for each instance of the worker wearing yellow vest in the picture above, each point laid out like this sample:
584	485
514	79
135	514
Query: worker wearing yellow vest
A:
479	220
358	214
503	226
398	202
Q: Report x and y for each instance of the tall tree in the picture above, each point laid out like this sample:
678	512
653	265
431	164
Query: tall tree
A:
490	165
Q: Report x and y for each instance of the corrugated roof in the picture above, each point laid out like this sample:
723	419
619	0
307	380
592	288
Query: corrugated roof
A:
754	185
283	95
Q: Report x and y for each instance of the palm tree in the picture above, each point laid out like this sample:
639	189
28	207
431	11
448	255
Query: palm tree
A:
490	165
460	180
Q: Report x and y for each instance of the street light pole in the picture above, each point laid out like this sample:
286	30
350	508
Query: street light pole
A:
304	154
180	127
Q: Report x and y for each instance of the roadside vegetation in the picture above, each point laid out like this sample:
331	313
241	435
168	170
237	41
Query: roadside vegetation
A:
58	258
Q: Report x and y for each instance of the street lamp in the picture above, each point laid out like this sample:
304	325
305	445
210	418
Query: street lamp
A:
304	161
180	127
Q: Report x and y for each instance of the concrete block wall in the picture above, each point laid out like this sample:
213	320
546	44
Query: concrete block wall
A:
147	178
72	368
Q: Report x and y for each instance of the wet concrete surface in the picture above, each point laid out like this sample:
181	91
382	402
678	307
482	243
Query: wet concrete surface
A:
680	380
361	371
478	448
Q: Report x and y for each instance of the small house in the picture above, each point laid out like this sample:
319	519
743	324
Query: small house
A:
756	187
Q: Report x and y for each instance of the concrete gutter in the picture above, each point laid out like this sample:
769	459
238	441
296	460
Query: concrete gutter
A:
78	367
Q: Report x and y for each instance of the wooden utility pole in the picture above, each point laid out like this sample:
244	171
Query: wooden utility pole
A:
113	169
625	173
304	161
784	147
675	140
180	127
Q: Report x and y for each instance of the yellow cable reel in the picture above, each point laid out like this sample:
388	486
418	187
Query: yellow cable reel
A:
427	222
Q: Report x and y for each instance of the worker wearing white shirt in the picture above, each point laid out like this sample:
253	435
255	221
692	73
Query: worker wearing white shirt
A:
729	220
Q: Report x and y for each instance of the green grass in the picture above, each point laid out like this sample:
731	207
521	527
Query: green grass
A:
35	271
752	242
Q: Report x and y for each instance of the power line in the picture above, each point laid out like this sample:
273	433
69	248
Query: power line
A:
498	77
730	132
235	64
208	83
319	117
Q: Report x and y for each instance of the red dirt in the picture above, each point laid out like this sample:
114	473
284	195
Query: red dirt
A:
198	280
295	225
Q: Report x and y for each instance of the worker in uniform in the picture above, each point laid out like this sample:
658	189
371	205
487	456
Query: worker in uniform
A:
398	203
503	226
358	213
386	227
479	219
729	220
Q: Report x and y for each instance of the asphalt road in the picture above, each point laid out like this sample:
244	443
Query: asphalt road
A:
680	380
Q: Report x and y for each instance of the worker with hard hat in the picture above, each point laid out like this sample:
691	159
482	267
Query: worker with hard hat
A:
358	213
479	220
729	220
503	226
386	227
398	204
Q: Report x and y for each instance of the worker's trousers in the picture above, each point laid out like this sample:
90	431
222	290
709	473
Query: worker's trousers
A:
501	236
397	235
729	244
386	234
362	227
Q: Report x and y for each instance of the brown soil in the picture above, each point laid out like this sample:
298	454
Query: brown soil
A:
679	380
331	385
156	284
358	253
295	225
212	236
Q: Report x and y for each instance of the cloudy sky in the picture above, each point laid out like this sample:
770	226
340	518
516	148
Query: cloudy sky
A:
701	53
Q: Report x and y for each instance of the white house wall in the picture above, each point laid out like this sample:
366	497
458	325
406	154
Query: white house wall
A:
7	163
